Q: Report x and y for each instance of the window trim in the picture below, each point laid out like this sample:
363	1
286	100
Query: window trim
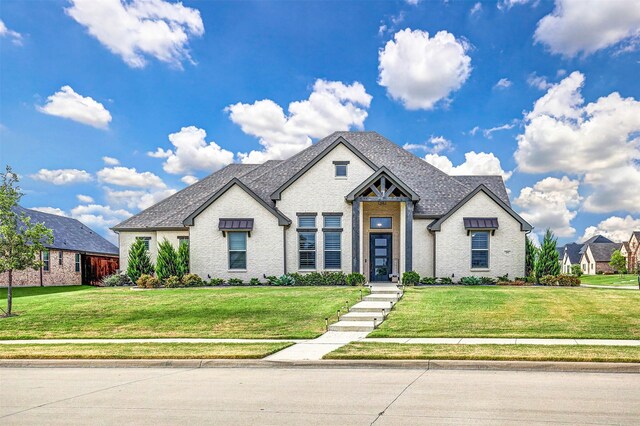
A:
229	251
344	164
339	251
46	260
314	251
60	254
77	262
488	250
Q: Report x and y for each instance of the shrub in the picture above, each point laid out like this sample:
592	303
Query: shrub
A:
576	270
410	278
355	278
285	280
504	277
147	281
235	281
516	282
489	280
470	280
167	261
271	279
139	262
445	280
600	273
254	281
568	280
549	280
192	280
182	266
334	278
173	282
428	280
116	280
216	281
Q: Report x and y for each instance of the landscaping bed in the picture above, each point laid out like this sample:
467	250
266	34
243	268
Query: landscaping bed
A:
141	350
526	312
225	312
398	351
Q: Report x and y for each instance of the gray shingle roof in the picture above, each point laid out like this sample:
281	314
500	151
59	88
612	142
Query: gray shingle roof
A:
70	234
574	251
602	251
438	191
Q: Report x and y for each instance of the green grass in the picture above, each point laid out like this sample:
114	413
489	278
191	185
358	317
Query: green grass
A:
141	350
545	312
610	280
397	351
232	312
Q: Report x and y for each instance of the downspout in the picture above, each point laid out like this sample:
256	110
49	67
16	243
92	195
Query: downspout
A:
284	248
434	253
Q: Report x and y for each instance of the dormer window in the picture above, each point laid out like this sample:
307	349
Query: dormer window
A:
341	169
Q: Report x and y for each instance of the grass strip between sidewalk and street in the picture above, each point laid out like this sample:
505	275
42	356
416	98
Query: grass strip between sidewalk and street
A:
141	350
400	351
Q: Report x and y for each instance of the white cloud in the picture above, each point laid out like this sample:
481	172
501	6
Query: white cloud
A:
420	71
192	152
140	29
15	37
412	2
539	82
189	179
62	176
480	163
331	106
436	145
110	161
100	218
135	199
488	133
123	176
586	26
508	4
551	203
50	210
503	83
84	198
476	8
68	104
615	228
598	140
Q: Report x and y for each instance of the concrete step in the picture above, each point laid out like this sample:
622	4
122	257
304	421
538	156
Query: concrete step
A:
371	306
381	298
363	316
386	291
353	326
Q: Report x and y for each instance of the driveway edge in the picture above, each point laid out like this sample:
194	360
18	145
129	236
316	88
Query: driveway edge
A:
550	366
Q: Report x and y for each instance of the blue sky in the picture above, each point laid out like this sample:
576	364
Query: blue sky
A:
83	80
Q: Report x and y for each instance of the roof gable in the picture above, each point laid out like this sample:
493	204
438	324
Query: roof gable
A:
383	173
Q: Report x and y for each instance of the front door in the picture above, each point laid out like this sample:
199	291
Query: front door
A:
380	255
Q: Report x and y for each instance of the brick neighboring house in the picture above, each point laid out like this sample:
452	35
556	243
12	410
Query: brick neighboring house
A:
596	257
631	251
78	255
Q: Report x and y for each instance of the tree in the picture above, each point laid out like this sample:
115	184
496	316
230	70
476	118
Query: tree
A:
139	261
618	262
548	262
20	240
183	259
167	261
531	253
576	270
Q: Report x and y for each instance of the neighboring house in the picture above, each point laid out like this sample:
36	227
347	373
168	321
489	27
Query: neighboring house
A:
77	255
631	251
570	256
354	201
596	257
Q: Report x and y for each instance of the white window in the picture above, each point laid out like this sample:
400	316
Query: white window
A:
333	221
45	260
332	250
307	250
341	169
480	250
306	221
77	262
237	250
145	240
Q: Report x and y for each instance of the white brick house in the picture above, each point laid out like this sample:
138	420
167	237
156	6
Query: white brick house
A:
354	202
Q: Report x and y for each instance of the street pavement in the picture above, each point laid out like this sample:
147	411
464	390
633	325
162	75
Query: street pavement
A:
313	396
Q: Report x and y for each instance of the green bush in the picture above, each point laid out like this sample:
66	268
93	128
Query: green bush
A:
173	282
549	280
254	281
445	280
285	280
470	280
116	280
489	280
167	261
139	262
576	270
192	280
428	280
516	282
410	278
568	280
235	281
272	279
334	278
216	281
182	266
504	278
147	281
355	278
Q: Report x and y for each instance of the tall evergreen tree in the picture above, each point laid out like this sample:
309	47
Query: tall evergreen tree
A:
548	262
139	261
167	261
531	252
183	259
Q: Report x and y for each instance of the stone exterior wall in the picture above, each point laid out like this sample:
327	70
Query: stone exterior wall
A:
506	247
209	248
57	275
319	191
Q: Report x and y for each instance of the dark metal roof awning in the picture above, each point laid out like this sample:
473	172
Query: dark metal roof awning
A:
480	222
235	225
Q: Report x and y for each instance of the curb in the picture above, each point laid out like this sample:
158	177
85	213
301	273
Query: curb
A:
543	366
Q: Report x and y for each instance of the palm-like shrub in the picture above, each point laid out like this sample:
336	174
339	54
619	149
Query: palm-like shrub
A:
139	262
167	261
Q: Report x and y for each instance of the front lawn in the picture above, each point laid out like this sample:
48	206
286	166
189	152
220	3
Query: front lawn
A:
141	350
373	350
610	280
549	312
228	312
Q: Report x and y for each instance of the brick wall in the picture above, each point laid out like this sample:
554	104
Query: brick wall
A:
58	274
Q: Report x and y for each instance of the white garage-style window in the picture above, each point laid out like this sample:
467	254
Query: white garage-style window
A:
479	249
237	250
